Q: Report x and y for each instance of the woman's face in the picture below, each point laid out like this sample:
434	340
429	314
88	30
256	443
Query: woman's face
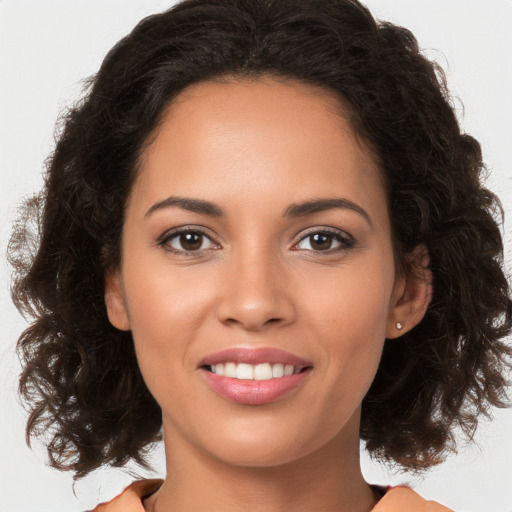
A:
257	243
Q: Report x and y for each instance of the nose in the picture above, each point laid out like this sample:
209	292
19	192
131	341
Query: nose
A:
256	293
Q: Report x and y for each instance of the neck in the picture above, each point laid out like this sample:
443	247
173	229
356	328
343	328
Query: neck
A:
328	479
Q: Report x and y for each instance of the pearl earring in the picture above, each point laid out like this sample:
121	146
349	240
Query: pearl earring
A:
399	326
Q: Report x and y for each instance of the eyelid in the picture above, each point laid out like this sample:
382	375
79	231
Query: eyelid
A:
163	240
340	235
346	240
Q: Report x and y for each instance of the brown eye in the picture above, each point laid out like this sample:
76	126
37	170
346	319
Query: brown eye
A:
189	241
320	241
325	241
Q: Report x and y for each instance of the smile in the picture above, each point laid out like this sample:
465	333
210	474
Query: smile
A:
250	376
262	371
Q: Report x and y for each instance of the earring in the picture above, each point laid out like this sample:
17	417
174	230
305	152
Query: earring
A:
399	326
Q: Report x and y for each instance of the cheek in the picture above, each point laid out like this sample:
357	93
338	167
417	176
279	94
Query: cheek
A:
166	311
350	311
352	301
163	298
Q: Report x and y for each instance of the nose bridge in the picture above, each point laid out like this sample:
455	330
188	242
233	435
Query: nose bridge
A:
255	291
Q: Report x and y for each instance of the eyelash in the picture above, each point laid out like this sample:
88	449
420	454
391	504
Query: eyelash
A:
344	239
164	241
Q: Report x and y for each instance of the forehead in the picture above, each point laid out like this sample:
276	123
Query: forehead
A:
263	106
254	136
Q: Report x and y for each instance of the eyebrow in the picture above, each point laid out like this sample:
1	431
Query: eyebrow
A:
321	205
186	203
294	210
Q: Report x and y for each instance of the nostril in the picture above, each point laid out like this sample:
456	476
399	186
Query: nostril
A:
252	311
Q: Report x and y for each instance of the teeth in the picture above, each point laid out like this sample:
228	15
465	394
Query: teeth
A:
277	370
263	371
244	371
230	370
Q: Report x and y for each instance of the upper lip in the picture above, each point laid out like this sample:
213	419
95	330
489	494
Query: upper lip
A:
255	356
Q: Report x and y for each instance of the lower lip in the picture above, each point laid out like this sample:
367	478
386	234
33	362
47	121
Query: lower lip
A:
254	392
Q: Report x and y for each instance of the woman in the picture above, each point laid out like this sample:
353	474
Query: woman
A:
273	201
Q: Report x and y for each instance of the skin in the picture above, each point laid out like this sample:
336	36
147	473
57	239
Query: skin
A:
253	149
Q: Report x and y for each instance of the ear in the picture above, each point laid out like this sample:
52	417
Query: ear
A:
114	300
412	294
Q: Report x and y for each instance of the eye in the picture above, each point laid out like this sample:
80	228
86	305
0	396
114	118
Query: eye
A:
325	240
188	240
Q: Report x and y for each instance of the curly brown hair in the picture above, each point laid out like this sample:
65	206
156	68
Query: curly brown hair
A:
80	375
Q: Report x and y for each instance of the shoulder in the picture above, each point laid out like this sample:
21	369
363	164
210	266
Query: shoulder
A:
396	499
130	500
403	499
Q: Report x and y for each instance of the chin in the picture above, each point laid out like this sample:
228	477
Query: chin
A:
256	456
265	444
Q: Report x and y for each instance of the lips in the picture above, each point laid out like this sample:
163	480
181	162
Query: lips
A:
254	376
254	356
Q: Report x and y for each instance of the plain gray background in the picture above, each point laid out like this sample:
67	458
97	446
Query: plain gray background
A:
48	46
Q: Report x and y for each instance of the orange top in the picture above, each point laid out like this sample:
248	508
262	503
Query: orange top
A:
403	499
397	499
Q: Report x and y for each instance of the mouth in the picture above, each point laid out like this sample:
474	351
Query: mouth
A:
254	376
262	371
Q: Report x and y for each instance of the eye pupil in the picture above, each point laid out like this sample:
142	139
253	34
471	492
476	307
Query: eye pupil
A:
320	241
191	241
